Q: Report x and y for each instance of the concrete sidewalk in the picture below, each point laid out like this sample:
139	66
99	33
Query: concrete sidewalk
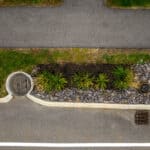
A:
77	23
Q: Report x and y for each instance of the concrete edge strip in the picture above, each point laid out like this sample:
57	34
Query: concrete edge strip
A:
6	99
88	105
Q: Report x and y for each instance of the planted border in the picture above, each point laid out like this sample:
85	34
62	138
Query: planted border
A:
30	2
12	60
56	77
129	4
125	81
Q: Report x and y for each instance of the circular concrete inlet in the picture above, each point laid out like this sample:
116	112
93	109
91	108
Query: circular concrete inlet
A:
19	84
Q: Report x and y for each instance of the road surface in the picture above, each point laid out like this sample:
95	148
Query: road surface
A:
21	120
25	121
77	23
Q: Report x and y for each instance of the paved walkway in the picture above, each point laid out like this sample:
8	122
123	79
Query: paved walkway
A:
21	120
78	23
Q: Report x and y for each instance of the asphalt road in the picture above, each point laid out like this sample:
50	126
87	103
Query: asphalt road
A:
77	23
21	120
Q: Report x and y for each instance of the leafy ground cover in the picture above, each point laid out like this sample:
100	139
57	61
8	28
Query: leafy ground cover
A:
26	59
30	2
83	76
129	3
48	82
116	77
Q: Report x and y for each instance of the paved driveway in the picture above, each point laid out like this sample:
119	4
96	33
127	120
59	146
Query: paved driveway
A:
78	23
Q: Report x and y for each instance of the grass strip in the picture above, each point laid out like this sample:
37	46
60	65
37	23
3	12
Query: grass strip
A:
128	3
30	2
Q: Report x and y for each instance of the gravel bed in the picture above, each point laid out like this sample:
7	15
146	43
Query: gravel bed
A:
142	72
129	96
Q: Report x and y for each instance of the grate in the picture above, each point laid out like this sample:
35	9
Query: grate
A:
145	88
141	117
20	84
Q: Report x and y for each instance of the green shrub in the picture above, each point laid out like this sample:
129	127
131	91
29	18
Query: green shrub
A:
123	78
120	84
50	82
101	81
82	80
120	73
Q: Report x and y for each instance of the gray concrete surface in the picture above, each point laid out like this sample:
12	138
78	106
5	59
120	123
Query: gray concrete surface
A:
21	120
77	23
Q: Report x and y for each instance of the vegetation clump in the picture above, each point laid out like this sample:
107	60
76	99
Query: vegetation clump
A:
101	81
135	58
123	78
49	82
30	2
82	80
129	3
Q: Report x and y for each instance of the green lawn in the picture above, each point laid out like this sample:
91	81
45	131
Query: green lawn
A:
129	3
26	59
30	2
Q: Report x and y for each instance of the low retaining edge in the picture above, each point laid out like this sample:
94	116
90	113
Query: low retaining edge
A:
89	105
6	99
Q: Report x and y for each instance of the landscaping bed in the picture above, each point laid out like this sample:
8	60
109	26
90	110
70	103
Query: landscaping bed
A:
68	70
81	74
30	2
131	4
130	94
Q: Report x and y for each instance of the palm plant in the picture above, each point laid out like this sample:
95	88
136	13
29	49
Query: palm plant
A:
50	82
82	80
123	77
101	81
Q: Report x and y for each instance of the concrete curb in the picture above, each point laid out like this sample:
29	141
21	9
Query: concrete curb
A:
88	105
6	99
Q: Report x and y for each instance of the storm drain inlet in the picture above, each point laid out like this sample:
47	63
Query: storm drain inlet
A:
19	84
141	117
